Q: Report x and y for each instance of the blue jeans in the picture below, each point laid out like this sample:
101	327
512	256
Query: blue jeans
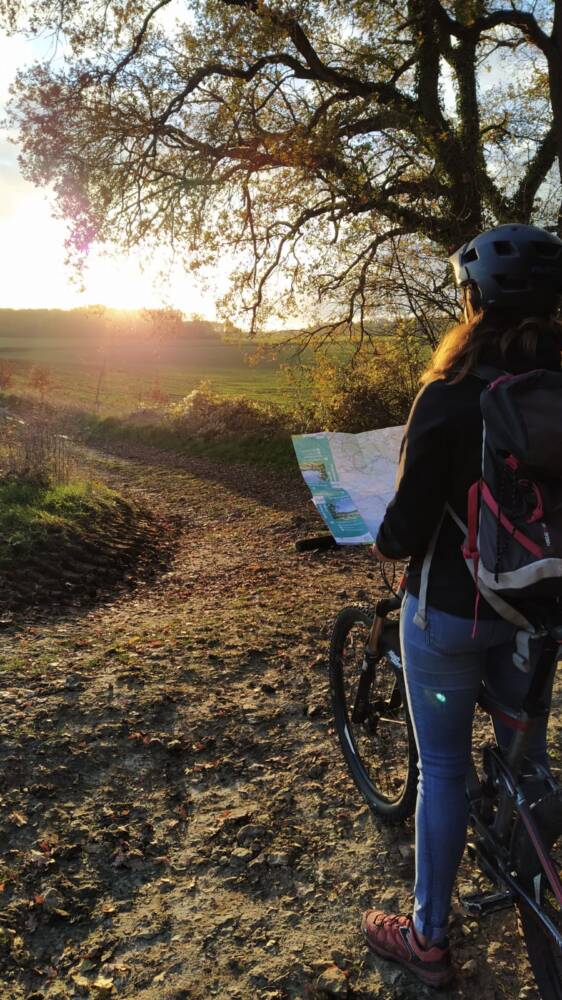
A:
444	667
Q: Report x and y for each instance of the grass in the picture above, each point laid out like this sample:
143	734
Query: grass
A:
114	377
31	512
127	372
271	452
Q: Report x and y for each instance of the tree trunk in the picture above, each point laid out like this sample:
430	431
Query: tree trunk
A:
555	84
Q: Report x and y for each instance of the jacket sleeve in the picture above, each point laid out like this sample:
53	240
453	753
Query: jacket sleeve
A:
423	477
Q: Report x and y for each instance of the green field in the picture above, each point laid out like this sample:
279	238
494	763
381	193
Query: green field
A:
127	370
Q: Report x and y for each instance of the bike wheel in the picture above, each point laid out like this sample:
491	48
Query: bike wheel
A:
544	955
377	741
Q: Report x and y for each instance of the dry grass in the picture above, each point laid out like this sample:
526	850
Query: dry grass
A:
32	450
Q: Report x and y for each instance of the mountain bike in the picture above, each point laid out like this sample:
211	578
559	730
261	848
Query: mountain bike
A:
515	806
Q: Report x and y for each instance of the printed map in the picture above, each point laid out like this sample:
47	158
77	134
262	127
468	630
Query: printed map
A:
351	478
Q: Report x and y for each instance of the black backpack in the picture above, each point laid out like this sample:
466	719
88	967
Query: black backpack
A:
513	534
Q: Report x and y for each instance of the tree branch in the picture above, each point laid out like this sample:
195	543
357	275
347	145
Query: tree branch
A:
138	40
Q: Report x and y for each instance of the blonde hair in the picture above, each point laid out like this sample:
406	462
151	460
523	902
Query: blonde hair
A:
462	347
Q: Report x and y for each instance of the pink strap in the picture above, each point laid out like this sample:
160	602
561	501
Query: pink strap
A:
538	512
519	537
471	547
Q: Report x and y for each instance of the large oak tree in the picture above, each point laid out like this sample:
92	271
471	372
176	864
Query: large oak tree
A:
336	147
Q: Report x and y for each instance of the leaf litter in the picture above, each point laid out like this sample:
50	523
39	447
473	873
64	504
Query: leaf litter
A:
176	817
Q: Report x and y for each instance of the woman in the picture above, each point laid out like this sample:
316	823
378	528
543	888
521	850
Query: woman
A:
511	280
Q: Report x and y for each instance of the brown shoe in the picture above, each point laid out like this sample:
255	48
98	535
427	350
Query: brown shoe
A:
393	937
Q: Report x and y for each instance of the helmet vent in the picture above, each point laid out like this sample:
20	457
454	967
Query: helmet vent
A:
550	250
504	248
469	256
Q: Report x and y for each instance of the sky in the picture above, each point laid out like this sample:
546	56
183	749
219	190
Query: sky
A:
33	273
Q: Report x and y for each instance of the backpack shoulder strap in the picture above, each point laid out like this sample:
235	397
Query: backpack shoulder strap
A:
420	618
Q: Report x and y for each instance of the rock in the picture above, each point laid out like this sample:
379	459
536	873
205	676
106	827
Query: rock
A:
333	982
73	682
237	815
280	859
252	831
52	899
103	987
241	856
81	981
259	976
166	885
470	968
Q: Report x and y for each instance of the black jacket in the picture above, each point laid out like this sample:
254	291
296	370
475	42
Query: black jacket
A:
440	458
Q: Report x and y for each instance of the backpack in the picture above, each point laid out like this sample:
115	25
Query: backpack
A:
513	535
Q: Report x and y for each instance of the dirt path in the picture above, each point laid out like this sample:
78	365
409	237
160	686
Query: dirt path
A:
175	818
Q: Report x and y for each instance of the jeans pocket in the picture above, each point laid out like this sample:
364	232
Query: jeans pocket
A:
449	634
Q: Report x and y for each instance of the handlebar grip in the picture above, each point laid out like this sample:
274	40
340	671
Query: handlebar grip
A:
316	543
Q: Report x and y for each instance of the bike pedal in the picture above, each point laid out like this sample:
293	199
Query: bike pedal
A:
478	904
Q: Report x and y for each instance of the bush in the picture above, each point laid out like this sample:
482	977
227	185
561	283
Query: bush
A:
375	391
6	375
205	415
31	450
41	380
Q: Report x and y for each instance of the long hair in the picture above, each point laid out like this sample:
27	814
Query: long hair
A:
489	333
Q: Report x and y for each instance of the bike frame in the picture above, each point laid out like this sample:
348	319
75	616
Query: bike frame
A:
504	774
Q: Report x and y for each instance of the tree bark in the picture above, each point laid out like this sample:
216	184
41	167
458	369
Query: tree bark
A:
555	84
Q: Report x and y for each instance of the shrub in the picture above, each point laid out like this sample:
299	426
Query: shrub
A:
375	391
157	396
6	375
31	451
203	414
40	379
144	415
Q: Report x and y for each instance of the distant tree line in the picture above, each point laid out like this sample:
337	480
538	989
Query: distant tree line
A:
99	323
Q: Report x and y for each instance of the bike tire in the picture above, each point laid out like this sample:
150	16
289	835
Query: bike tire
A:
380	752
545	957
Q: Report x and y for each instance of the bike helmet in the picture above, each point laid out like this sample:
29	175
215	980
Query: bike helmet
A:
512	267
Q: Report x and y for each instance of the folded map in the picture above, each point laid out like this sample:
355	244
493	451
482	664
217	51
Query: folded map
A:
351	478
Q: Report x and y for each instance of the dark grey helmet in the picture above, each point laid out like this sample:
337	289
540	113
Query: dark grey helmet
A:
513	267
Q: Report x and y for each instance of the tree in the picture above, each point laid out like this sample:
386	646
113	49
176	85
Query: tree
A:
6	375
40	379
338	147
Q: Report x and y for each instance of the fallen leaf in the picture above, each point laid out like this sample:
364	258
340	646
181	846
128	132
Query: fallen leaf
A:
18	818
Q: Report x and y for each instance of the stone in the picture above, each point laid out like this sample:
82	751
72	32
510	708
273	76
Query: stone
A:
333	982
241	856
280	859
249	832
52	899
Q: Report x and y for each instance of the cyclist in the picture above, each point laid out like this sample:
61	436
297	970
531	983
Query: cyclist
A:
510	303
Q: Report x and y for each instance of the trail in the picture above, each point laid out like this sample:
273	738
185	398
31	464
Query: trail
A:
175	812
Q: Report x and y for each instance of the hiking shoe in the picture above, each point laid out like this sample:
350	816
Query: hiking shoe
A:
393	937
